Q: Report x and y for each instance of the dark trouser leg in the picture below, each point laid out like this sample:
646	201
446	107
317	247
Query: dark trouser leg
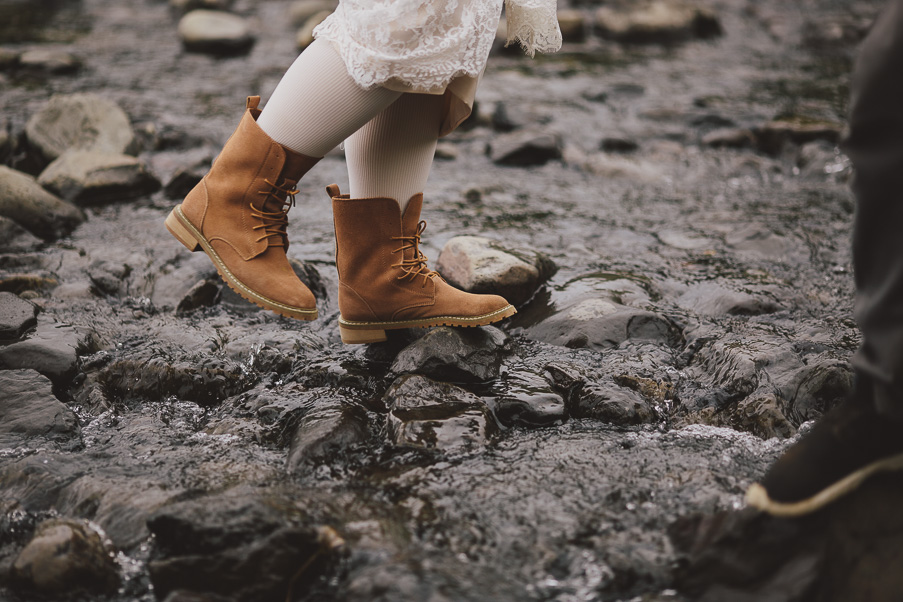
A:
875	146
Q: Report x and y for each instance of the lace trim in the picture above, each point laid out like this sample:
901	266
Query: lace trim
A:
426	44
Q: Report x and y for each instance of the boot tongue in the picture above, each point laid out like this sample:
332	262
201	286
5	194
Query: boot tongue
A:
411	216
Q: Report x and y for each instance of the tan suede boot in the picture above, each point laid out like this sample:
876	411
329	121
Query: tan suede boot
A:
238	215
384	283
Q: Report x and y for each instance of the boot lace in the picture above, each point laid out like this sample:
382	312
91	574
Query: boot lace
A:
415	266
275	222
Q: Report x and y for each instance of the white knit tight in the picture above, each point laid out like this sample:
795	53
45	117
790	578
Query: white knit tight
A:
391	137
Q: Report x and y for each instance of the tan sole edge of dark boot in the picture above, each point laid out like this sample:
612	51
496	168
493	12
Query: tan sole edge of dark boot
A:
357	333
193	240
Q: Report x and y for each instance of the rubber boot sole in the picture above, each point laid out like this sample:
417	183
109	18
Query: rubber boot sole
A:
757	496
185	232
357	333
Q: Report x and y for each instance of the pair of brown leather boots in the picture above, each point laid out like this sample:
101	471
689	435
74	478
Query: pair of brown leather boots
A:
238	215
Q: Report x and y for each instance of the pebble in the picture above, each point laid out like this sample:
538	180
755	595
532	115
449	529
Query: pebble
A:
83	121
49	60
615	144
301	11
657	22
215	32
93	177
184	6
481	265
16	316
526	149
16	239
202	294
66	556
174	282
433	415
108	276
30	410
455	354
305	36
326	435
25	202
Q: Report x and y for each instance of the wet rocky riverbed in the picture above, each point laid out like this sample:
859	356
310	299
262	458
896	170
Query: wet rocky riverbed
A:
163	439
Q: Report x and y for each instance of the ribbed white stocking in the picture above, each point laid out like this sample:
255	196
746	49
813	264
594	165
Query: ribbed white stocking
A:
317	105
392	154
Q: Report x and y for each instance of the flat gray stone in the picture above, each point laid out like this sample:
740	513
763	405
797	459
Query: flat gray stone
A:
215	32
29	410
457	354
43	214
657	22
481	265
526	149
82	121
50	60
16	316
93	177
52	350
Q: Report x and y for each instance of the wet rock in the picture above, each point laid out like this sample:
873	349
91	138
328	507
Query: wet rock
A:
82	122
173	283
16	316
761	240
481	265
49	60
455	354
16	239
712	299
64	557
433	415
305	35
618	145
302	10
202	294
833	555
27	286
231	544
215	32
92	177
446	152
526	149
816	388
685	240
181	595
821	160
572	24
204	378
598	323
327	435
773	136
7	142
657	22
29	410
729	138
501	119
760	414
183	180
611	404
526	399
52	350
108	276
25	202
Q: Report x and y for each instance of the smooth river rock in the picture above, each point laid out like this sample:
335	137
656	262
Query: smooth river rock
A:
16	316
66	556
657	22
91	177
83	121
43	214
215	32
49	60
481	265
455	354
526	149
29	410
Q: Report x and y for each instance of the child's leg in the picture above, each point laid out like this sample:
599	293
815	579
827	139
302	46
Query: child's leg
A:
392	154
317	105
